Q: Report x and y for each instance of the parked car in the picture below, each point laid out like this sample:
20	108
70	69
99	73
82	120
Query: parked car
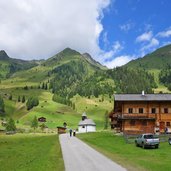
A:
169	140
147	140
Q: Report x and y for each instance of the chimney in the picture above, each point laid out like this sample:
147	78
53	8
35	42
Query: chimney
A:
143	94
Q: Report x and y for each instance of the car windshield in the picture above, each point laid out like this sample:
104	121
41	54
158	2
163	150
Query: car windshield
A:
148	136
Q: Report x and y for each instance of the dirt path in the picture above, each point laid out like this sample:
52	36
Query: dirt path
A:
78	156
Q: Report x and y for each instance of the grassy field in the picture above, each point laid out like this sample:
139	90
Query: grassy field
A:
22	152
95	108
128	155
55	113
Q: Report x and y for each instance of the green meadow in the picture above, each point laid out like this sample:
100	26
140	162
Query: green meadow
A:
128	155
29	152
55	113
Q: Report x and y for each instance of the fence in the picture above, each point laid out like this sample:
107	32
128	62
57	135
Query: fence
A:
131	138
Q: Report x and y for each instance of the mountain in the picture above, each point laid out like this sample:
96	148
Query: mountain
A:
159	59
9	66
69	73
69	54
92	61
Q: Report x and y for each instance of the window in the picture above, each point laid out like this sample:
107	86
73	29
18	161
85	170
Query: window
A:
130	110
141	110
150	136
144	123
165	110
153	110
167	123
132	122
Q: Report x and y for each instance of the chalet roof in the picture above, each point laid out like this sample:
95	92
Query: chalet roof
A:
140	97
41	117
86	122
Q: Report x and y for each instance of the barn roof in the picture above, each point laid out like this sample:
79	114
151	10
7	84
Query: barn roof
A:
86	122
140	97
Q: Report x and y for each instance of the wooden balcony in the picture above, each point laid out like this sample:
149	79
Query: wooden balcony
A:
139	116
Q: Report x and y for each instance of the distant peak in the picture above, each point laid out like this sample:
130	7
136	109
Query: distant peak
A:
87	55
3	55
70	51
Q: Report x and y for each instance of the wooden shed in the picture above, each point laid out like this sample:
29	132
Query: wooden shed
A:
42	119
61	130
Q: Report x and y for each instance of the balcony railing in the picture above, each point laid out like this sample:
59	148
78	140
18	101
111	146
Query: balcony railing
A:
135	116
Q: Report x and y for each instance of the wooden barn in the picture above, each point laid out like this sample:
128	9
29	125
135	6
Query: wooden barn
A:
61	130
141	113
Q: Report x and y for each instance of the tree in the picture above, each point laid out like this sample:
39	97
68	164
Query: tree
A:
43	126
10	97
46	86
10	125
106	120
26	87
43	85
31	102
2	105
73	106
19	99
34	123
23	99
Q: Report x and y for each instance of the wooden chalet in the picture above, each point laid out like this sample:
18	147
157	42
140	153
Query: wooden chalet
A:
141	113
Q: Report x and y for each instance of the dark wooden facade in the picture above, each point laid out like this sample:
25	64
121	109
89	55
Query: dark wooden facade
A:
142	115
61	130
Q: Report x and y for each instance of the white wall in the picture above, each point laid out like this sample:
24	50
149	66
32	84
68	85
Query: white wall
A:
88	128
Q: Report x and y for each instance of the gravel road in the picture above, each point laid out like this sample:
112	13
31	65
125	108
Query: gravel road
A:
78	156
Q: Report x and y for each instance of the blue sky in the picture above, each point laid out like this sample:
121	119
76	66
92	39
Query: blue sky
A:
137	27
113	32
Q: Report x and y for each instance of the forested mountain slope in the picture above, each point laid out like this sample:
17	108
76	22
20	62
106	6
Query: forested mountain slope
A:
158	59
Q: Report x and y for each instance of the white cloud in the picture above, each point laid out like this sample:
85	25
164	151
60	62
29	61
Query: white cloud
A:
126	27
166	43
119	61
117	47
153	43
105	39
144	37
39	29
166	33
107	55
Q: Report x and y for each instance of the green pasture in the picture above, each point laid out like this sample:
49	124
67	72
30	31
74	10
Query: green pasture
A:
29	152
55	113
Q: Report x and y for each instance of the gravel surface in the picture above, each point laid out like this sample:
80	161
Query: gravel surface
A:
78	156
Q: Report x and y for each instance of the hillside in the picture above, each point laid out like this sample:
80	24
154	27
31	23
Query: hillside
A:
62	72
159	59
66	85
8	65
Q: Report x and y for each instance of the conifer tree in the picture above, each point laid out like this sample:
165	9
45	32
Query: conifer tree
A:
34	123
23	99
19	99
10	125
10	97
2	105
106	120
